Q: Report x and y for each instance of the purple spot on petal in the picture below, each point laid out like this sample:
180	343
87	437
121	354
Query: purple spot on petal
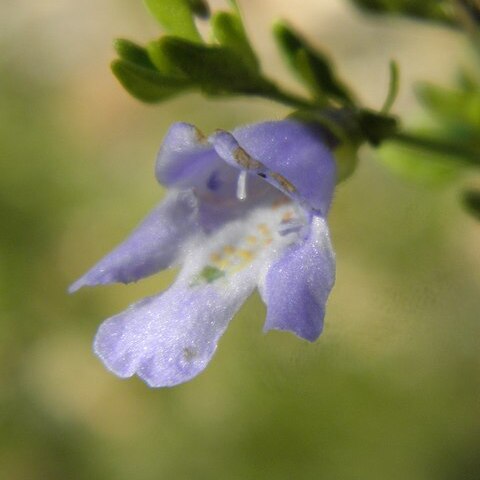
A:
214	182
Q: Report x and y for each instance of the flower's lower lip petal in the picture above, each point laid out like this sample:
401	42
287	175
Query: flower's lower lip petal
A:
297	286
170	338
153	246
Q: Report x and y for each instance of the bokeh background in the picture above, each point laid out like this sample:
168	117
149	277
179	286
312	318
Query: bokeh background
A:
391	389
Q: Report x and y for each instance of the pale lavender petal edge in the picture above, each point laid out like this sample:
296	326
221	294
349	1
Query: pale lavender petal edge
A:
170	338
154	245
297	286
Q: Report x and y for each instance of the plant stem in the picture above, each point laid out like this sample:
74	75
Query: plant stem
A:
435	145
274	92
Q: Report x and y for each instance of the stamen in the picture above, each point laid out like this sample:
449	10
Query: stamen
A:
242	186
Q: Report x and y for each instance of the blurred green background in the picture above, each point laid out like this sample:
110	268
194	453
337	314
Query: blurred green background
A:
391	389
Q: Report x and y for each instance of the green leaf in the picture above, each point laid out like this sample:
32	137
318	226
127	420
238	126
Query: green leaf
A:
392	87
176	16
163	63
146	84
471	201
228	31
133	53
313	67
434	10
216	69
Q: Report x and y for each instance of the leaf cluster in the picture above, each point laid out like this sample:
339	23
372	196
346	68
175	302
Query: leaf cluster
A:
181	60
448	142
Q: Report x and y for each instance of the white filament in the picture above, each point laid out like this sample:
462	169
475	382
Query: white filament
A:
242	186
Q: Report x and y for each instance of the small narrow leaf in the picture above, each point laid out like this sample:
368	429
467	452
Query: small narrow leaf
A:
322	69
215	69
434	10
163	63
392	88
133	53
229	32
304	69
145	84
176	17
312	66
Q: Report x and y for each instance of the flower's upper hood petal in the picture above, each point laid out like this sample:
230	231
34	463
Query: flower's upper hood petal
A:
296	286
185	158
290	155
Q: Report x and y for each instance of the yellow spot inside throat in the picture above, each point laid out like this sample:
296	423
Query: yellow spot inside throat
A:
229	258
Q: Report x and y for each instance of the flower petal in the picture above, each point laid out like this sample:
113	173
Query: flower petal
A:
154	245
170	338
290	155
185	158
297	286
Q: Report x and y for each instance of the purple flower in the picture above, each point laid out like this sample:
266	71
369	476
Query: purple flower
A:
245	209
